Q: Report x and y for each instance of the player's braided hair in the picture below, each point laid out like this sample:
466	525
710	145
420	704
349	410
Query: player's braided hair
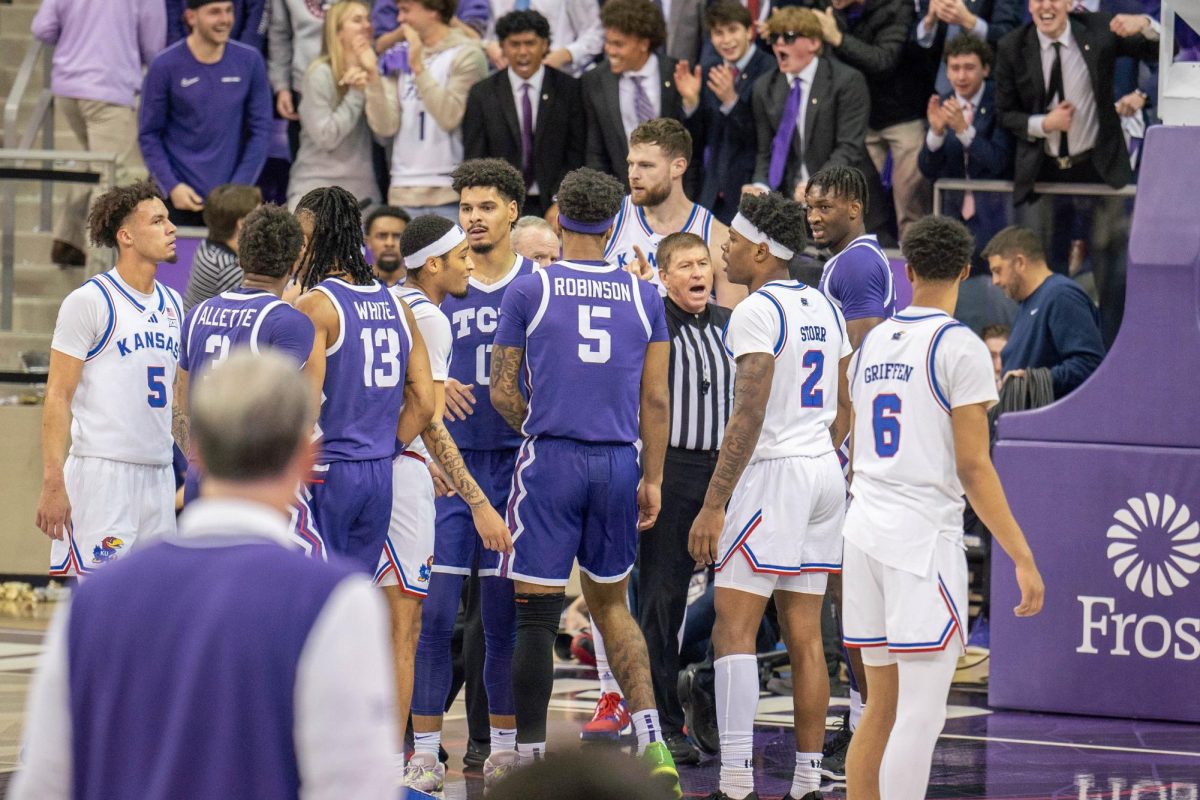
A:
777	217
587	195
337	240
269	242
112	208
846	182
494	172
937	248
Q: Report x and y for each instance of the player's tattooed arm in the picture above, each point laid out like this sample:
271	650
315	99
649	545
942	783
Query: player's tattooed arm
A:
751	388
179	411
505	391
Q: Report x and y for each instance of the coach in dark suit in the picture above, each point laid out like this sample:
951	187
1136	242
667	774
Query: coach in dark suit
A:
542	138
830	127
718	105
1054	76
633	84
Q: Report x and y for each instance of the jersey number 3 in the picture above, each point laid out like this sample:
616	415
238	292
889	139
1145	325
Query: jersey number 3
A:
601	351
885	420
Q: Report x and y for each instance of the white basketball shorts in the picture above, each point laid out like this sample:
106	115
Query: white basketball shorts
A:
115	507
407	558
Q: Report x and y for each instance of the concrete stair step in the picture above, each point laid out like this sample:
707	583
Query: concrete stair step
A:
46	280
13	343
35	314
17	19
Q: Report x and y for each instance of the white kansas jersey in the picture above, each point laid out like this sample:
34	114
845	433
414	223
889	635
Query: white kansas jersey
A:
910	371
435	331
632	228
129	343
424	154
806	334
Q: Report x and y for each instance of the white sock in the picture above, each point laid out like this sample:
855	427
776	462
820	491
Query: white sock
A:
427	742
503	739
531	752
645	725
920	714
807	777
856	709
608	681
737	703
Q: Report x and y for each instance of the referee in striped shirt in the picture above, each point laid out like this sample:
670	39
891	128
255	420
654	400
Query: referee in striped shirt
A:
701	380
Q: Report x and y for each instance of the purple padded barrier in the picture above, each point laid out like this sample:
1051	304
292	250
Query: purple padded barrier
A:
1106	485
176	275
900	281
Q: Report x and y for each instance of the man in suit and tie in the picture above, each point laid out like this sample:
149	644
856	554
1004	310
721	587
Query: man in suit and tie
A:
941	21
809	113
717	102
632	85
528	114
965	139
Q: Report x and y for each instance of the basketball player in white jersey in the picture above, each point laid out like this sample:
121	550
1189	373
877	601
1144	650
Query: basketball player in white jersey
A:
438	261
921	384
110	389
659	152
779	474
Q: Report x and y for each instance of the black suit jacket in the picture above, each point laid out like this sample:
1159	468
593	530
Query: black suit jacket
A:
607	146
492	127
732	137
1021	93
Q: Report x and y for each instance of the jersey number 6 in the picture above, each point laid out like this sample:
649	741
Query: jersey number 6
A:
885	419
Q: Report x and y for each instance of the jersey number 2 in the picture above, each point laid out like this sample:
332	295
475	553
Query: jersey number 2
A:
388	342
885	419
811	395
602	350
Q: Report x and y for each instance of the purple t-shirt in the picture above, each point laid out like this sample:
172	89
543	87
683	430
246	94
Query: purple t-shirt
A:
243	318
859	280
584	326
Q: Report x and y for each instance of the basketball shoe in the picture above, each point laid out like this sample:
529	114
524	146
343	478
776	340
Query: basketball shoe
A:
609	720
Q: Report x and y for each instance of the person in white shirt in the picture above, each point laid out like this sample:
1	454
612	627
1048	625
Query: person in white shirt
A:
920	385
576	36
110	393
779	475
267	672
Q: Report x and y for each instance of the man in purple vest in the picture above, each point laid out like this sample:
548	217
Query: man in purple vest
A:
593	339
267	674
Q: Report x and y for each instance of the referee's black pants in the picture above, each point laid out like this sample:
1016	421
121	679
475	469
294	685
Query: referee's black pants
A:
664	571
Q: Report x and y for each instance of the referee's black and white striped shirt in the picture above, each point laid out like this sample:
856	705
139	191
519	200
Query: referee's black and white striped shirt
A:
215	269
700	376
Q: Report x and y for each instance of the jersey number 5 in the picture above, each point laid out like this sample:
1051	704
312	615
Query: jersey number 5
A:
388	342
602	350
157	398
885	419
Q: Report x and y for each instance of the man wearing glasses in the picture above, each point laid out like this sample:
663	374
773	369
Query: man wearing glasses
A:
809	114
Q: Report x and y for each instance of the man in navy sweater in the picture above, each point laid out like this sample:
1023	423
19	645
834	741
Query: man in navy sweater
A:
1056	327
222	662
206	112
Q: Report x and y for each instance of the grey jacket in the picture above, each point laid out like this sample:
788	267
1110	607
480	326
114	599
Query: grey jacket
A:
294	36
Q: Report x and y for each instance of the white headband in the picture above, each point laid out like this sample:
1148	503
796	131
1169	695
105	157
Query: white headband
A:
746	228
450	240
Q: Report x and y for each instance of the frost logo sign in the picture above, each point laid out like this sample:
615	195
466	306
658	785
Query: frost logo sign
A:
1154	550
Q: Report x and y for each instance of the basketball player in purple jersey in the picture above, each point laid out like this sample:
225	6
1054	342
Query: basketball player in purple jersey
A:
253	316
594	343
491	192
367	360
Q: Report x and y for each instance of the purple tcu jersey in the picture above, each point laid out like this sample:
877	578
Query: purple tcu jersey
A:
364	373
243	318
584	326
473	324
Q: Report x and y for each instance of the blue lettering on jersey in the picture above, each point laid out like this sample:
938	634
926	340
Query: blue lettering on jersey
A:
883	372
152	339
812	333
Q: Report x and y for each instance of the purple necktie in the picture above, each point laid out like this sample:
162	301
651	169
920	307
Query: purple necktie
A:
642	107
782	144
526	135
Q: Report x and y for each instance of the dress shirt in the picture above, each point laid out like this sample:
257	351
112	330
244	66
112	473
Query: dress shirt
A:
806	77
574	24
935	142
651	84
1077	85
347	651
535	99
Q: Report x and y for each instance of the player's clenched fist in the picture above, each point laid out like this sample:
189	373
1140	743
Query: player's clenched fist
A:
492	529
705	533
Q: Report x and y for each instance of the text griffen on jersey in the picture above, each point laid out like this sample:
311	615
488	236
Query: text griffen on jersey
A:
129	343
364	372
473	322
907	376
584	326
238	318
806	334
632	228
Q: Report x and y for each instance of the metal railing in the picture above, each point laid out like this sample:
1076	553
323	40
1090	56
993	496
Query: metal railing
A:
101	172
42	120
1078	189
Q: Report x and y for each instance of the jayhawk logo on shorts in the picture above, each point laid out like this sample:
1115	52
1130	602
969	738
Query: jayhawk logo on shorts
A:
425	571
107	549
